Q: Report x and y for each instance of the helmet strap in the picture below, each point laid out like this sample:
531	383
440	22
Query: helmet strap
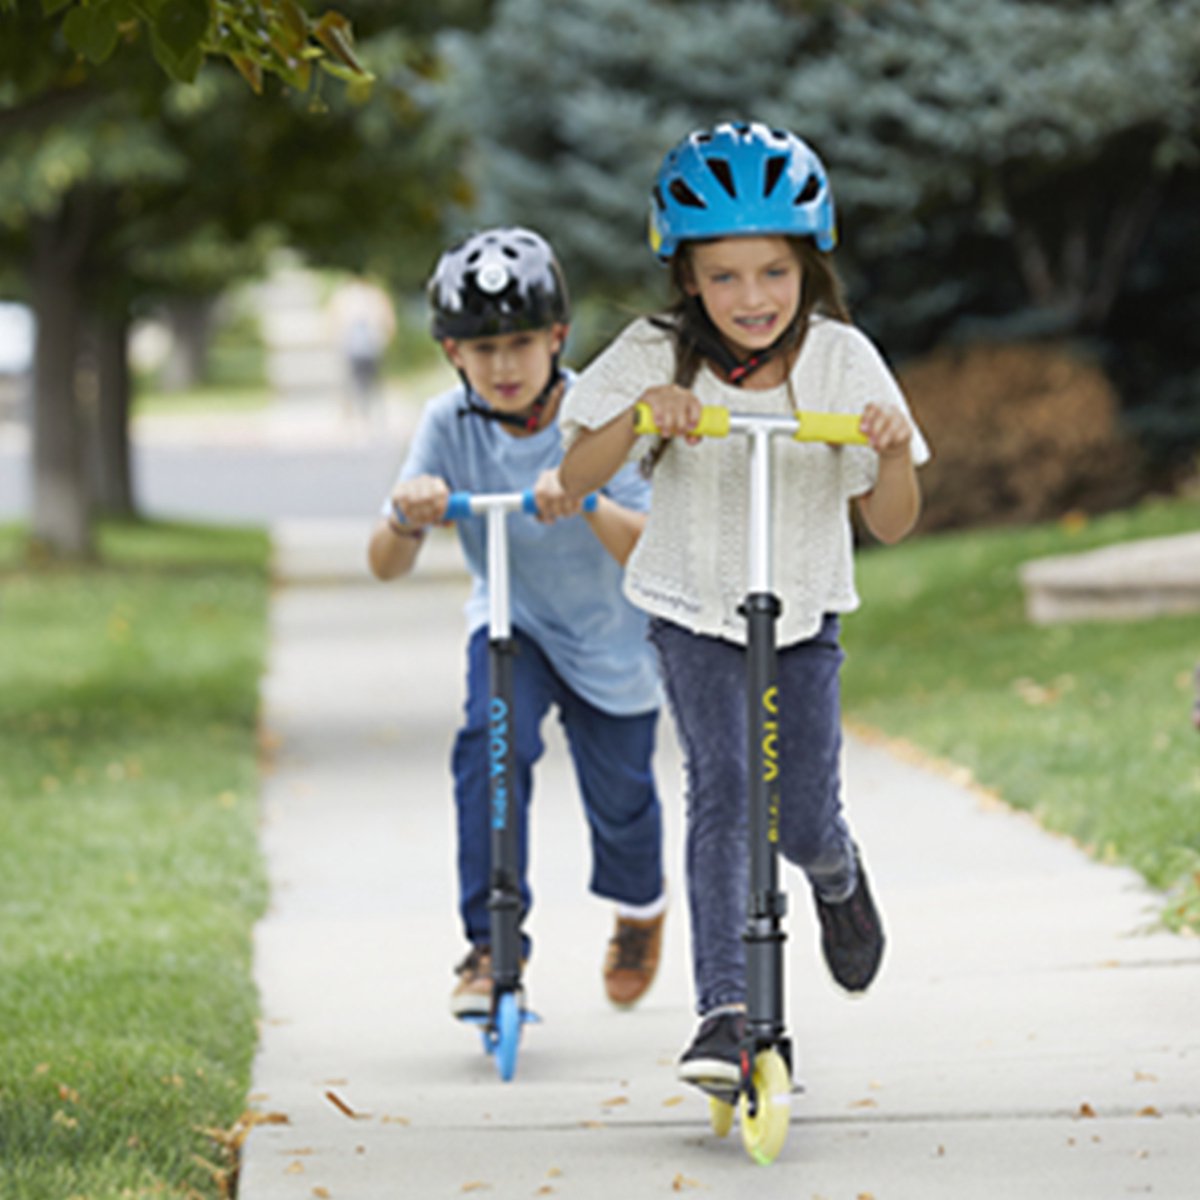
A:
529	420
704	336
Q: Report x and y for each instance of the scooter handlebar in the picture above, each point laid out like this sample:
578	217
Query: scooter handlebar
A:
840	429
714	421
470	504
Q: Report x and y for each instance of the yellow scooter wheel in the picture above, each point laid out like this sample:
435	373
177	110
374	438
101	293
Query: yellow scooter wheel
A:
720	1115
764	1133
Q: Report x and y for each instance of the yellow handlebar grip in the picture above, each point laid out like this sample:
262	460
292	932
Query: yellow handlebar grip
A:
843	429
643	419
714	421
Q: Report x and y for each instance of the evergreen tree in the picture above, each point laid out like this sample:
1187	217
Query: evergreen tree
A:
572	105
1001	167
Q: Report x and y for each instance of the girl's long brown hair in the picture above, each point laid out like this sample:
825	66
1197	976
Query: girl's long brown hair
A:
821	293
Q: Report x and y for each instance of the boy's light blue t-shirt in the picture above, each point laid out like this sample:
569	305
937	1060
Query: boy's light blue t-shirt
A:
565	588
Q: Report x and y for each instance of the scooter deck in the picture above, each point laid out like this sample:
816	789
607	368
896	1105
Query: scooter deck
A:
483	1020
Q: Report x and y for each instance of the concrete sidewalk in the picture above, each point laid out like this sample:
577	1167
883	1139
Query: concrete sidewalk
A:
1030	1036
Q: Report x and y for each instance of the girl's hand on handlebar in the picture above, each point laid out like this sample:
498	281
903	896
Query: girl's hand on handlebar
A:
552	502
676	411
422	500
888	429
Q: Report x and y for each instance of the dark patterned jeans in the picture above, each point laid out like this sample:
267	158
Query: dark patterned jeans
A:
705	680
612	758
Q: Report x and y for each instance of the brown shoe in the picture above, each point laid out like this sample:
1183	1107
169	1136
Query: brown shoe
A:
632	961
472	995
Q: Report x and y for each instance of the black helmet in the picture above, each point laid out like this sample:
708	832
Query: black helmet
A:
498	281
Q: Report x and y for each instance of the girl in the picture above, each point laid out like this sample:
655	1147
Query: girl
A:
744	217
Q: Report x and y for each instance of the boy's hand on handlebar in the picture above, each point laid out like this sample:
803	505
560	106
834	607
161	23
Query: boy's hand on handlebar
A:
888	430
553	503
422	500
676	411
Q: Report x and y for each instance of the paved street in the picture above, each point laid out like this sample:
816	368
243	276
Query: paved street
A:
299	458
1030	1036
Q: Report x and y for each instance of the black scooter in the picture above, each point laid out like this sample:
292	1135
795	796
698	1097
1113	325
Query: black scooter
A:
763	1094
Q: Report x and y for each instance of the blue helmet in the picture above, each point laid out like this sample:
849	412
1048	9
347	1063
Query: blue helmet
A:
740	179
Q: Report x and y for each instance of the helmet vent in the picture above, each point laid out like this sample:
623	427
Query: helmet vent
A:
724	176
810	190
684	194
776	165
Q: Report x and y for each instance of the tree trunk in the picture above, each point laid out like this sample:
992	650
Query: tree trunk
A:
61	525
190	322
111	461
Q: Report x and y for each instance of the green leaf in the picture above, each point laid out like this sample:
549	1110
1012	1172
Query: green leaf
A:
182	24
90	32
250	71
334	32
183	68
50	7
295	22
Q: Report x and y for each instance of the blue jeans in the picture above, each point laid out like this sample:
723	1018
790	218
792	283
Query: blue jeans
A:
611	755
705	679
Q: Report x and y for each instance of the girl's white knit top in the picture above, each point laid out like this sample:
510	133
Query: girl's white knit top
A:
690	565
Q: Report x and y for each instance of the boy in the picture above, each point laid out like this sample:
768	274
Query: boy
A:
501	313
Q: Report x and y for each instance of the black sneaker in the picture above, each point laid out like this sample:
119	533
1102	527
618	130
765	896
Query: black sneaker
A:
852	935
712	1061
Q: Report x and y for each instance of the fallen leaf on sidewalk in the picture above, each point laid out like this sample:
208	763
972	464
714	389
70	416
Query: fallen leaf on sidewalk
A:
1086	1110
476	1185
682	1181
344	1108
396	1121
1149	1111
321	1193
671	1101
294	1168
614	1102
235	1136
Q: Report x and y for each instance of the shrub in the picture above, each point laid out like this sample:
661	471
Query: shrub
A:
1020	433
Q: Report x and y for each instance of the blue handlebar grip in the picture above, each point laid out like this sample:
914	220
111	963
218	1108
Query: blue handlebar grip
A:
458	506
529	504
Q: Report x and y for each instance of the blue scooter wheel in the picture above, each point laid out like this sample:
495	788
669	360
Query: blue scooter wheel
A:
508	1035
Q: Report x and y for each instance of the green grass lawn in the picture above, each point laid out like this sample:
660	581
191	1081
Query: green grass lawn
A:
1086	725
228	400
129	870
